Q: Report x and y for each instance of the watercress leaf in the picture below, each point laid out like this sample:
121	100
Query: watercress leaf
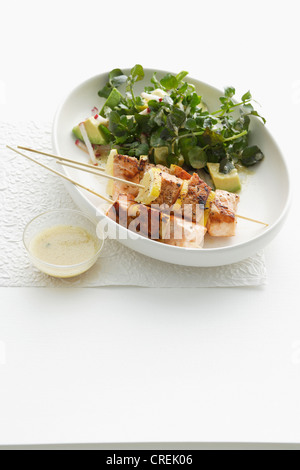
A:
215	154
172	159
227	121
154	105
185	145
210	137
107	134
155	82
134	145
106	111
247	108
156	140
197	158
123	120
167	134
190	124
139	101
114	73
255	113
204	120
226	166
183	88
142	149
115	126
160	118
137	73
195	100
242	124
118	81
170	124
148	89
176	118
236	147
105	91
180	76
143	122
120	139
251	155
209	121
130	124
223	99
169	81
116	78
229	92
247	96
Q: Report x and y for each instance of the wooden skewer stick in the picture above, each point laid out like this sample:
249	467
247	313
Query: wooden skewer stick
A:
85	165
251	220
93	172
63	159
62	175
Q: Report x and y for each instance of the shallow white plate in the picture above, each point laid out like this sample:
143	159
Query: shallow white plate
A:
265	194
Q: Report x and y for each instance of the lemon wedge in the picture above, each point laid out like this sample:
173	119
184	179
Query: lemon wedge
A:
210	199
152	186
183	193
109	169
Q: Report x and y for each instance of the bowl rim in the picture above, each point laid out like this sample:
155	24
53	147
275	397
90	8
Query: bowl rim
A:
82	195
64	266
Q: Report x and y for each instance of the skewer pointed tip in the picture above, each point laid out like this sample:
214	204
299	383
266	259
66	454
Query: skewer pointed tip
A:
252	220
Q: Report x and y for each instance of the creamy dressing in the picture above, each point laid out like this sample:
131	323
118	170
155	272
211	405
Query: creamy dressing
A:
64	245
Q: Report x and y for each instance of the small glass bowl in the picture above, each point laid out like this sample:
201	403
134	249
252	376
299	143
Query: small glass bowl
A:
55	218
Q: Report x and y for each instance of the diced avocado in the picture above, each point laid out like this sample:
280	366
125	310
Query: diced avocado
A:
94	133
112	101
160	155
77	132
227	182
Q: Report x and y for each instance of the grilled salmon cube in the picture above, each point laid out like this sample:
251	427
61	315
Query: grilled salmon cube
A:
222	220
170	190
138	218
144	166
196	196
126	168
180	232
180	172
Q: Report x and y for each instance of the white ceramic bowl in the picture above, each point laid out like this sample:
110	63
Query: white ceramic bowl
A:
265	195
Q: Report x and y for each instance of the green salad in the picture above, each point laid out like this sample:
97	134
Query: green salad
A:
171	124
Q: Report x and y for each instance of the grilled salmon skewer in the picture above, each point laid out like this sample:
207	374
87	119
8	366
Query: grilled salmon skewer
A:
176	188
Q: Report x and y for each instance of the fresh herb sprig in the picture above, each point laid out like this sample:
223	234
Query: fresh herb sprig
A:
179	126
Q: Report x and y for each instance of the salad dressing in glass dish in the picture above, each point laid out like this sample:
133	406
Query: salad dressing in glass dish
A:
63	243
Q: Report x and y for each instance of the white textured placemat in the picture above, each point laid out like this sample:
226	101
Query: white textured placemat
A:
27	190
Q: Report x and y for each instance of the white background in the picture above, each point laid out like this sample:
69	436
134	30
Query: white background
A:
138	365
